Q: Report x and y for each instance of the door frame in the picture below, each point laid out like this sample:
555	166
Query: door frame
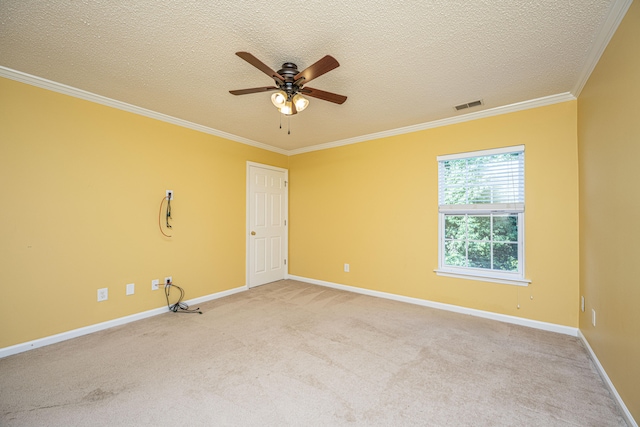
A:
248	216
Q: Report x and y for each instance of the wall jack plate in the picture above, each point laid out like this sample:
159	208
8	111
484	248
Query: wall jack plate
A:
154	284
169	194
103	294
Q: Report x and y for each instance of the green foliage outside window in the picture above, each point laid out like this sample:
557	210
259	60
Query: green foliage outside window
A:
482	241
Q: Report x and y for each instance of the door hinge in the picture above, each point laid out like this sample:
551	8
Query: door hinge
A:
285	222
285	183
285	262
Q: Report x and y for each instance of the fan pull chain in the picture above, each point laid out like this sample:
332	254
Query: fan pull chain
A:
288	125
280	119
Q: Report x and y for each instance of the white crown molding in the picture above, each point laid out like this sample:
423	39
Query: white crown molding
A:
99	99
88	96
625	411
536	324
609	26
53	339
519	106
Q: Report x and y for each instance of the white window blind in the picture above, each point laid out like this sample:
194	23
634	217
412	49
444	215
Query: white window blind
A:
490	180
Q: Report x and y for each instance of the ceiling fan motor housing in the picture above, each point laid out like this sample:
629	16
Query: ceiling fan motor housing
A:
289	71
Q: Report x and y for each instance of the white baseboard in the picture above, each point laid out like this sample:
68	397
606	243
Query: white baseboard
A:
552	327
625	411
30	345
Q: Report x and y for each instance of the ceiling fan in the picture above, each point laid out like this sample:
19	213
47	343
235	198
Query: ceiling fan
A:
290	83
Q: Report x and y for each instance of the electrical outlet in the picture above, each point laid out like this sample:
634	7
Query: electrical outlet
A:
346	268
169	194
593	317
582	304
154	284
168	280
103	294
131	288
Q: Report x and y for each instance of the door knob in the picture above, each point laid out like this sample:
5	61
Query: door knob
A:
253	233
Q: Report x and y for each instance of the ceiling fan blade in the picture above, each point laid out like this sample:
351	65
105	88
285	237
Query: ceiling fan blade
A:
321	67
252	90
324	95
260	65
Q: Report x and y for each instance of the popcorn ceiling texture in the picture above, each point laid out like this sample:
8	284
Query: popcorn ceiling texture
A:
402	63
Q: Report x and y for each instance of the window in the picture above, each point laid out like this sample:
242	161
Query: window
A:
481	215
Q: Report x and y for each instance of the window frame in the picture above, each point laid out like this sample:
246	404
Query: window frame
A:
478	273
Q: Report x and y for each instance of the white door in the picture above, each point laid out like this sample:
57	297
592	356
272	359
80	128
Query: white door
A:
266	224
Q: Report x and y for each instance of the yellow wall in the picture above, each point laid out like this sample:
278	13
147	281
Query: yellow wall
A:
374	205
609	150
81	190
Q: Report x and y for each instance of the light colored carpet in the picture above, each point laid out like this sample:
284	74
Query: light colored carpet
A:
290	353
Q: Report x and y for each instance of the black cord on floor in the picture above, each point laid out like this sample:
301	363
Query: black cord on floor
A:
178	307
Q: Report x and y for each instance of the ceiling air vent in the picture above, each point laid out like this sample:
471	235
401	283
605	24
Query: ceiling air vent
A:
468	105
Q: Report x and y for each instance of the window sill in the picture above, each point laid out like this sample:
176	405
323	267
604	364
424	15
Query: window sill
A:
469	276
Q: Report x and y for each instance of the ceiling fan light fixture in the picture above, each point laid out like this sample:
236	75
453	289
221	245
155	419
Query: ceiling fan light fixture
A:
287	109
279	99
301	102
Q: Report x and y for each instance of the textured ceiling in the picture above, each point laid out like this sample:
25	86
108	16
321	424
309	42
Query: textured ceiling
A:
401	63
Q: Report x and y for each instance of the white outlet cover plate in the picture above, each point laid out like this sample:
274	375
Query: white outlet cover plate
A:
167	192
131	288
103	294
168	278
346	268
154	284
